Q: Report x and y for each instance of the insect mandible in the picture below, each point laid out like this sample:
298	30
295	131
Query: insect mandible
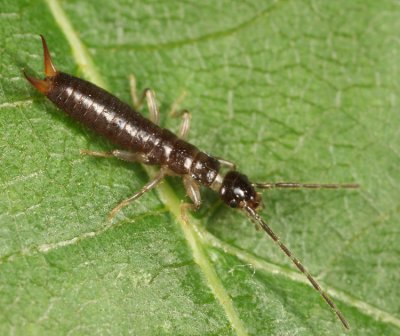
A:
143	140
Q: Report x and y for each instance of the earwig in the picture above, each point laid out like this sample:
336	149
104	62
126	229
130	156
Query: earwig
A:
143	140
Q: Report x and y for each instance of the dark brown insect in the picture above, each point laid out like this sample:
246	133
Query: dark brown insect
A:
144	141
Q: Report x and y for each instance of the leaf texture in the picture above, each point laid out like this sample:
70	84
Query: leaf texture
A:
289	90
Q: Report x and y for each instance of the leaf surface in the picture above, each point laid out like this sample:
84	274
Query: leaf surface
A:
289	90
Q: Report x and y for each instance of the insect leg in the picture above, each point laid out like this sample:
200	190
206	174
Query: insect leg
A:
132	85
227	163
147	94
193	191
119	154
150	185
184	129
185	126
175	105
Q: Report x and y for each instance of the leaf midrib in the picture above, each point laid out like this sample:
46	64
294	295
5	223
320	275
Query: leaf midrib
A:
196	236
167	196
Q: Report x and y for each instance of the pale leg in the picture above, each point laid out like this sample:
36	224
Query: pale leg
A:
175	105
147	94
119	154
184	129
230	165
185	126
150	185
193	191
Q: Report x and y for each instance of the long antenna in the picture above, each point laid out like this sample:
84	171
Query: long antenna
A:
256	217
294	185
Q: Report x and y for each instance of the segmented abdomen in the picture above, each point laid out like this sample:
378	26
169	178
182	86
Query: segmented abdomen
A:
118	122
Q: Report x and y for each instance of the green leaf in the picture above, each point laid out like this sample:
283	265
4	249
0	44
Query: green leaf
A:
289	90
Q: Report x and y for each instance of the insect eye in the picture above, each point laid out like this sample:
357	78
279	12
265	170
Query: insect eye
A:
233	203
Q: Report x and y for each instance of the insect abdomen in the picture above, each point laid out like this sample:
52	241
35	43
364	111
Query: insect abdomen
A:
118	122
98	110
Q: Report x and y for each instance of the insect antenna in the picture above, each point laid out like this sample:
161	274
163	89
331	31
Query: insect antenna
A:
256	218
294	185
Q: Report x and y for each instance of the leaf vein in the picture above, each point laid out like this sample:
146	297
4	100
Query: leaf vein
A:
268	267
168	197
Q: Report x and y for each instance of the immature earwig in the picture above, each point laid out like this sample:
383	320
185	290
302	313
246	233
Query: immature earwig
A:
144	141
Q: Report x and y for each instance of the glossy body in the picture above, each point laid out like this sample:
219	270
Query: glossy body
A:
144	141
117	121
